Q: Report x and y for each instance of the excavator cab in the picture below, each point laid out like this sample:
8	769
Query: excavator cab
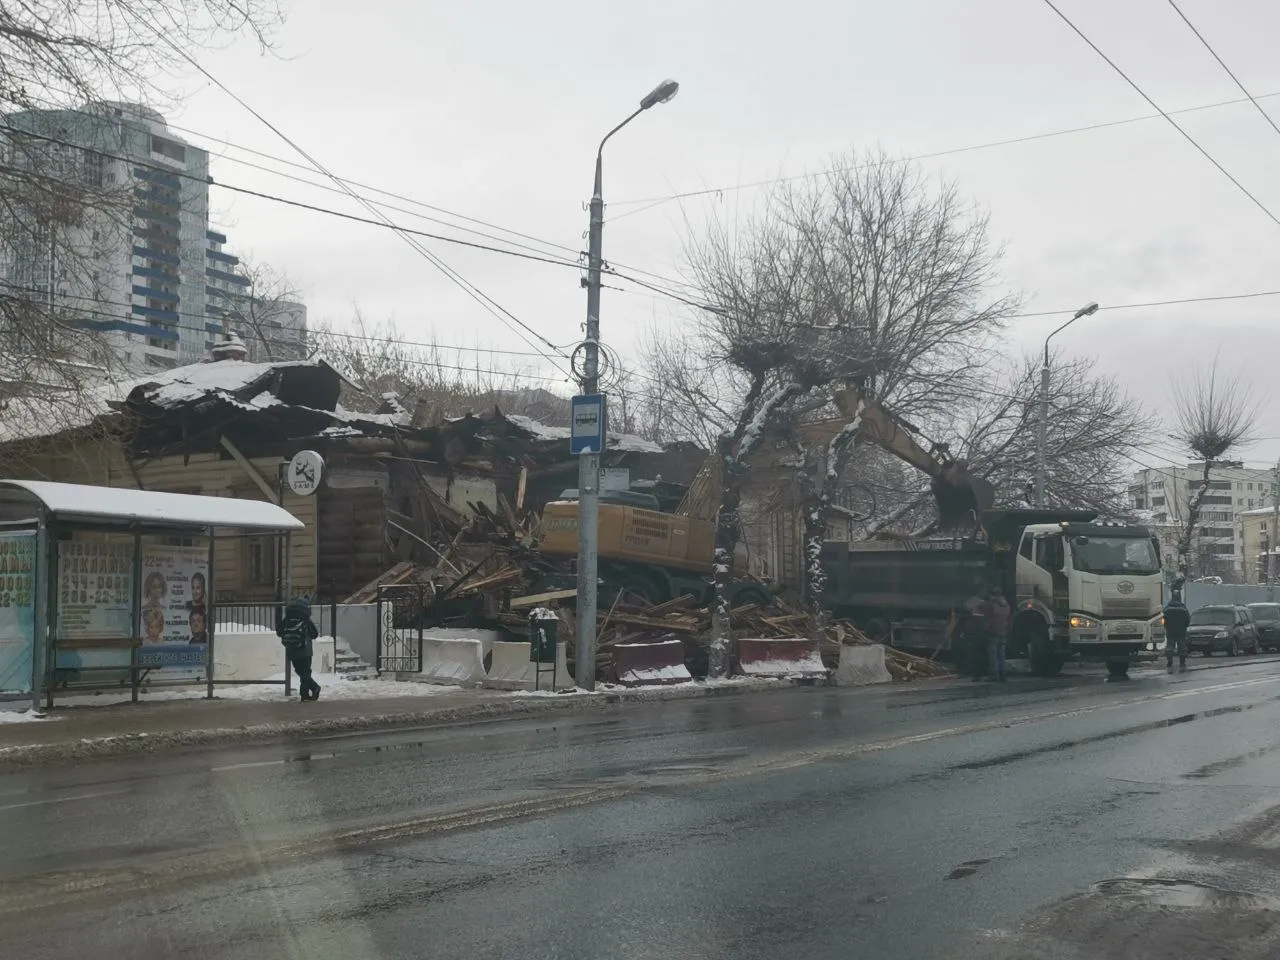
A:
961	497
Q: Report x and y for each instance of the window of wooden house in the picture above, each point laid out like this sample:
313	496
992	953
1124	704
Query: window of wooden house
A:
260	554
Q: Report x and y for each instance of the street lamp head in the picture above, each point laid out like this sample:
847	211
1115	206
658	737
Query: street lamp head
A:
660	94
1088	310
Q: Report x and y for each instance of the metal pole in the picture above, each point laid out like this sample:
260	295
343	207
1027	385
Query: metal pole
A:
210	626
1275	529
1042	430
44	586
589	463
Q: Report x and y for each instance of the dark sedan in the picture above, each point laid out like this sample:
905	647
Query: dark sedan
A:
1267	617
1222	627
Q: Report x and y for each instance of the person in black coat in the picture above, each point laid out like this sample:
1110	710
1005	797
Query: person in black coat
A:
1176	620
297	631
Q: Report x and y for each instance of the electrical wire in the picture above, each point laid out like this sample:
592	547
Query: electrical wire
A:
1174	123
1222	63
650	202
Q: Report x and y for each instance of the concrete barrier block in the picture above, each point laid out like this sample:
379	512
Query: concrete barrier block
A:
861	665
650	664
779	658
510	668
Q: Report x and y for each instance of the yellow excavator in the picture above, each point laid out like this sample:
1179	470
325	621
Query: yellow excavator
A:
659	555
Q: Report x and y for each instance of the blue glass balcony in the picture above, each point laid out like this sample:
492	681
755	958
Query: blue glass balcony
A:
156	274
229	277
149	254
124	326
222	257
154	294
140	311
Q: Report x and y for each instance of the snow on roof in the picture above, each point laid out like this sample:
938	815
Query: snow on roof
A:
617	441
77	501
196	380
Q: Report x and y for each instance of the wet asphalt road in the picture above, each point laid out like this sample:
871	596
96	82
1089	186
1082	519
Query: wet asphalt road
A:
1047	819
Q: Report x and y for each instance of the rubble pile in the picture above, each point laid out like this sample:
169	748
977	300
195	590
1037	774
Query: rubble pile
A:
487	574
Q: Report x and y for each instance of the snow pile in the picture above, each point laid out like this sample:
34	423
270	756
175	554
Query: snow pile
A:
677	673
231	626
334	690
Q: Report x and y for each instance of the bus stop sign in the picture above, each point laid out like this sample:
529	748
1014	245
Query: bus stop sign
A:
587	414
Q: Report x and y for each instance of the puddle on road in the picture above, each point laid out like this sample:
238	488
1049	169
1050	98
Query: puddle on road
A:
1167	892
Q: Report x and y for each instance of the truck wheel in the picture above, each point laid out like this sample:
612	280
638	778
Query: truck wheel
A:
1118	668
1044	661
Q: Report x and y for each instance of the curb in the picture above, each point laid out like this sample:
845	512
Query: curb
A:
96	748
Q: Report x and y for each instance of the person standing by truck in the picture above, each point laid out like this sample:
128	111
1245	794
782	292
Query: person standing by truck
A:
1176	619
998	616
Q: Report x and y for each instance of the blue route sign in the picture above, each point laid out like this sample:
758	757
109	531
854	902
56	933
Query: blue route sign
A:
587	414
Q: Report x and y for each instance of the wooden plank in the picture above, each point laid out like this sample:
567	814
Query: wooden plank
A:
521	484
537	598
671	605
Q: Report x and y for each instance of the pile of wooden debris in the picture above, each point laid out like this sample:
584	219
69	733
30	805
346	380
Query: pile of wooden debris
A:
495	584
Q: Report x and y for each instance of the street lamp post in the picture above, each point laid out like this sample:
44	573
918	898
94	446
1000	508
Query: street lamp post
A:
1042	427
589	463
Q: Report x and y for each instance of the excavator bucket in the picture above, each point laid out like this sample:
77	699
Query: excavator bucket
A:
961	498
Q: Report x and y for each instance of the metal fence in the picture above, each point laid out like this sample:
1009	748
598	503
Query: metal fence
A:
262	614
1196	595
399	642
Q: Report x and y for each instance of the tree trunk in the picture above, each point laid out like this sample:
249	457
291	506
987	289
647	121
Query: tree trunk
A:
728	532
1193	517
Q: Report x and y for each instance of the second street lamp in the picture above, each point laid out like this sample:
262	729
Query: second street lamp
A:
589	462
1042	427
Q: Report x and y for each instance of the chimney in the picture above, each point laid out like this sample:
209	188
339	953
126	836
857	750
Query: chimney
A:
230	347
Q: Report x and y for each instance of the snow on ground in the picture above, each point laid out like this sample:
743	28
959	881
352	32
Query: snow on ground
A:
271	689
8	715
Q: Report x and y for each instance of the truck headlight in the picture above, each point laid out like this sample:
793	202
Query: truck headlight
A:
1221	635
1080	622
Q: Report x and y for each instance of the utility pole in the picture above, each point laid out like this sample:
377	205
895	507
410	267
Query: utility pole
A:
1042	426
589	461
1275	529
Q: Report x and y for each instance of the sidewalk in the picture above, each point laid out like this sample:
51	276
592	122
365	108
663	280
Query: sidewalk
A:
81	729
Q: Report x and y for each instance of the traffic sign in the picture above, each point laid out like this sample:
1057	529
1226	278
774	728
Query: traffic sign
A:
587	414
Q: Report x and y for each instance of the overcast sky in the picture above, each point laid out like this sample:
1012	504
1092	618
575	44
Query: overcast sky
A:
493	111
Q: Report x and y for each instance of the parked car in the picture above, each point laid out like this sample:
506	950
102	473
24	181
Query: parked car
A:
1222	626
1267	617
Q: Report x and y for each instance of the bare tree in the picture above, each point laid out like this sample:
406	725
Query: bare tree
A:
265	313
59	60
428	382
871	276
1213	414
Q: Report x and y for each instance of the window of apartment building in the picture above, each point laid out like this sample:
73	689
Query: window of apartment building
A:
1158	484
1219	485
1157	501
1251	488
167	148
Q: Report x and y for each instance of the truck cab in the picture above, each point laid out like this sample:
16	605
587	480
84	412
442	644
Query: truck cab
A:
1086	589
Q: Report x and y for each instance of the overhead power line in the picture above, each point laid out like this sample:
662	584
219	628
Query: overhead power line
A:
647	203
488	303
1174	123
1222	63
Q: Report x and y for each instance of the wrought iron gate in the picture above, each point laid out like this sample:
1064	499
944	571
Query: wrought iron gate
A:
399	648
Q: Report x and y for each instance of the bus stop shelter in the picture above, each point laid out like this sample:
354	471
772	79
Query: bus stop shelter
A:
101	581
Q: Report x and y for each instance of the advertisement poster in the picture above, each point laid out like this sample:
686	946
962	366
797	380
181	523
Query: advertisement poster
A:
95	599
95	589
175	606
17	611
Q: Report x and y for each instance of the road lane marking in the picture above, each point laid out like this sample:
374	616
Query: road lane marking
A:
52	800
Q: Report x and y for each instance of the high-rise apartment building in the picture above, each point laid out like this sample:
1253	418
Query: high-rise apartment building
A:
140	264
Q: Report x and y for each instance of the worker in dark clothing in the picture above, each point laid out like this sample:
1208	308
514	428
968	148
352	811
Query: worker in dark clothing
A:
998	617
296	631
1176	619
973	634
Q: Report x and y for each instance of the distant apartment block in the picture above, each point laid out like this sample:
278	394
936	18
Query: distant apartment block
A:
1164	494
